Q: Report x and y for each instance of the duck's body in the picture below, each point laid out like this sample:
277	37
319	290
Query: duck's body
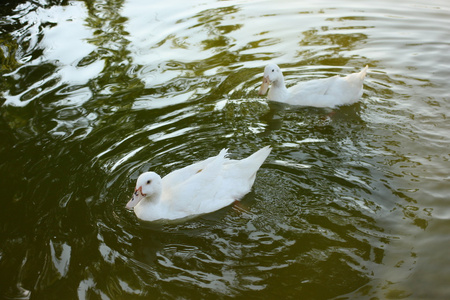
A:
197	189
327	92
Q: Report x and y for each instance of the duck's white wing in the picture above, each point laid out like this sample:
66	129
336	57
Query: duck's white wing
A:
218	184
189	189
353	85
241	174
179	176
316	87
329	92
348	89
228	180
314	93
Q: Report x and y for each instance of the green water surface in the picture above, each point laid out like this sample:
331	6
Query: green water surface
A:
352	203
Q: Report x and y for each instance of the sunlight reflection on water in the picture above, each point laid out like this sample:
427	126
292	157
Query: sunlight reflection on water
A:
351	202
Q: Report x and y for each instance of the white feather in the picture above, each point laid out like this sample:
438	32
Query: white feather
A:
197	189
327	92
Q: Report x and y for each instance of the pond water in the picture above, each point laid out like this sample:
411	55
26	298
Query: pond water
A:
352	202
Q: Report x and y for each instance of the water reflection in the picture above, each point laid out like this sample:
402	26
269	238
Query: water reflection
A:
141	85
117	80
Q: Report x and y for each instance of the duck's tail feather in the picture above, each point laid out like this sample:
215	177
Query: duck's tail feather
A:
357	78
257	159
363	72
223	153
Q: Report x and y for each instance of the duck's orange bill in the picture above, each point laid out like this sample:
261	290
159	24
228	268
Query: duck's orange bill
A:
137	196
264	86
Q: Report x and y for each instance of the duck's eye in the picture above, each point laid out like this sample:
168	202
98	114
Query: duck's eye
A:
273	70
149	181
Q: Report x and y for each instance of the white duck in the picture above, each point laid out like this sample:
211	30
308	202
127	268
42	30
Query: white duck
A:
201	188
327	92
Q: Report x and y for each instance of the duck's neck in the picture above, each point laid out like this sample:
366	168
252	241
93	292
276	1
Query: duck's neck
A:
278	91
149	207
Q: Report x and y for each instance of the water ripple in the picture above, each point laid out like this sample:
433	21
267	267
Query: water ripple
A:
140	86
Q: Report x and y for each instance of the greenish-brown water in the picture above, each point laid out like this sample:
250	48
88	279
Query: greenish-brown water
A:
352	203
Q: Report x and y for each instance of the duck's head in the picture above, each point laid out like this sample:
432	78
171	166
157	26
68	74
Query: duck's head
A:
148	186
272	73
